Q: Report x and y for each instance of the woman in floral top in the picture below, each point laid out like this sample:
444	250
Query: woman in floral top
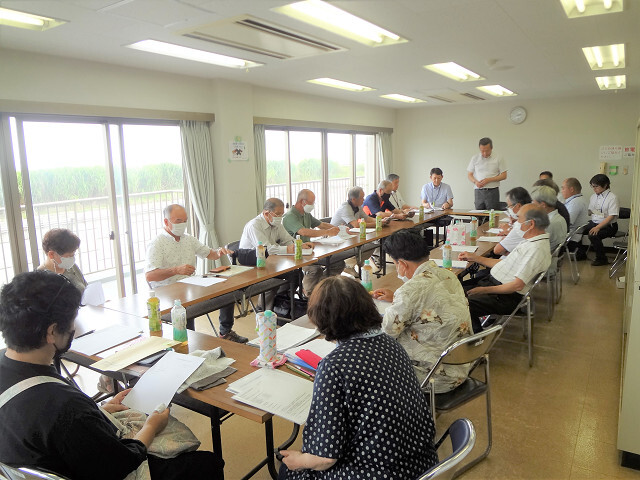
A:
428	313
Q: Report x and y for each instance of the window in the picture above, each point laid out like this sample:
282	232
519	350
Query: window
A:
326	162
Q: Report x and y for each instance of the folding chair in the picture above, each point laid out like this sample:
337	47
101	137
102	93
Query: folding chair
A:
463	438
27	473
527	324
571	256
621	256
474	350
554	280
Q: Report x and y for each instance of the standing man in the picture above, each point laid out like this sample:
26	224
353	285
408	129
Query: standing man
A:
571	190
396	199
299	221
171	256
486	170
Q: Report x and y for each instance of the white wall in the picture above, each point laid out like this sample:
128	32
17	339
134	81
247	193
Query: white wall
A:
561	135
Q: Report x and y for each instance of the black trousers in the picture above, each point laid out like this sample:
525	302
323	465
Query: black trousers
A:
190	465
490	304
487	198
596	240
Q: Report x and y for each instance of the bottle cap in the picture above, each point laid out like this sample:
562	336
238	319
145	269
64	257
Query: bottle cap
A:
268	313
152	293
177	302
366	262
259	243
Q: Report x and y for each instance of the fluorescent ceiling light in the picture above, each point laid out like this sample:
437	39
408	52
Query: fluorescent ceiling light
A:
15	18
332	82
497	91
187	53
605	57
324	15
585	8
402	98
454	71
612	83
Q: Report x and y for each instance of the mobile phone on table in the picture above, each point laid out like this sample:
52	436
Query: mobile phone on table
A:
220	269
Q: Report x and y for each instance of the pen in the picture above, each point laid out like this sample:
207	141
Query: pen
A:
86	333
305	375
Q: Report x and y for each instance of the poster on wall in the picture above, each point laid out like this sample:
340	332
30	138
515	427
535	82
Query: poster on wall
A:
238	150
629	153
609	153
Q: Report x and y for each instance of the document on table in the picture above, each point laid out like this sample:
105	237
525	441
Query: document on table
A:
454	263
104	339
319	346
160	383
478	211
133	353
357	230
494	230
381	305
506	219
233	270
277	392
289	336
305	251
201	281
490	239
93	294
463	248
335	240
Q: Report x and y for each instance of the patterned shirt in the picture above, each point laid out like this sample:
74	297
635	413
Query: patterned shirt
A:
429	313
165	252
531	257
369	414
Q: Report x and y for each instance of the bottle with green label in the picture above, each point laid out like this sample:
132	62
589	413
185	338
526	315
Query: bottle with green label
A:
378	223
421	214
261	258
363	229
492	218
473	234
179	321
446	256
367	276
153	311
298	248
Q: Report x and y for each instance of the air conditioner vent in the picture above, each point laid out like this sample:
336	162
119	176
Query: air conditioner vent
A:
472	96
442	99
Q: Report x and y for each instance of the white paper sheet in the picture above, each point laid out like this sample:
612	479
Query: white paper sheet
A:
478	211
504	220
93	294
381	305
131	354
160	383
104	339
490	239
277	392
335	240
494	230
454	263
357	230
463	248
319	346
202	281
233	270
289	336
305	252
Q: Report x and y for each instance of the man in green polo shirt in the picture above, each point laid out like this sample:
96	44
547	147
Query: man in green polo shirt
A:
299	221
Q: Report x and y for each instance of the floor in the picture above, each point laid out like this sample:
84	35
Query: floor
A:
556	420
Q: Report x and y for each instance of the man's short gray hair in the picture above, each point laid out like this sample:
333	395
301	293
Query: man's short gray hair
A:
354	193
539	216
392	177
383	184
546	195
271	204
166	211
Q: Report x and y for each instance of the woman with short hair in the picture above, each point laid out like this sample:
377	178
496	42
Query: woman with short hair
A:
60	246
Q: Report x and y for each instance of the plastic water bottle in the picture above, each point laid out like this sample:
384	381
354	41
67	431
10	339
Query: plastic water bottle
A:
446	256
473	235
421	213
298	248
367	276
363	229
378	223
266	325
153	312
261	259
179	321
492	218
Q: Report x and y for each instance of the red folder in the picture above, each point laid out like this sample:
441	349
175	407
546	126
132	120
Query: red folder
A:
309	357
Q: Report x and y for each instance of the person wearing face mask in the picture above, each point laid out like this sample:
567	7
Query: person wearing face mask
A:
379	203
171	256
48	423
516	199
545	198
59	246
511	277
562	209
299	221
428	312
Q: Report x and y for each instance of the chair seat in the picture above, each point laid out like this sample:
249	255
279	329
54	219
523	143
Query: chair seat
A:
621	245
462	394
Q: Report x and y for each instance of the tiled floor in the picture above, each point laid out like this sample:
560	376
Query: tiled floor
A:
556	420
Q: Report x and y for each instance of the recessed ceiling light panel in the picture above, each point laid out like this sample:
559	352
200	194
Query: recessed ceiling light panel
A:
617	82
402	98
16	18
332	82
605	57
585	8
454	71
497	91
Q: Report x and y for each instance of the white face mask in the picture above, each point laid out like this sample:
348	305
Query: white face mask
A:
511	213
178	229
67	262
275	221
403	278
308	208
518	229
527	230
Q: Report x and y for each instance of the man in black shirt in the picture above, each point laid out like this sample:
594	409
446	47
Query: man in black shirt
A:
53	425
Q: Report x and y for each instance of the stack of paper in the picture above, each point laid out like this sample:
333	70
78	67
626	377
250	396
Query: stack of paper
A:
101	340
494	230
276	392
320	347
290	336
202	281
335	240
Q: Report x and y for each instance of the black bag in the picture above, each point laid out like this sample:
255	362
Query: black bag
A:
282	307
248	256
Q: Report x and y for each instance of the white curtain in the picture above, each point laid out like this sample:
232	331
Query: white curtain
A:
385	154
261	165
197	152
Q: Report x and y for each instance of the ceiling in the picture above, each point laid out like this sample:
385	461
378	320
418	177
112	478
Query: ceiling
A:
528	46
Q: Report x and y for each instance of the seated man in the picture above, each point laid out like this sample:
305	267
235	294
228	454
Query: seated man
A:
172	257
604	209
46	422
379	203
429	312
577	208
516	199
562	210
396	199
299	221
545	175
267	228
545	198
512	276
436	194
350	212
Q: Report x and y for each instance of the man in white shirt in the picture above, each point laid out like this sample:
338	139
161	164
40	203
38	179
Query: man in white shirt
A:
171	256
512	276
486	170
516	199
545	198
571	190
396	199
350	212
604	210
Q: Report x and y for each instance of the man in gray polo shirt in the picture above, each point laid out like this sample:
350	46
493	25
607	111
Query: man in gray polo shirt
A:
351	211
486	170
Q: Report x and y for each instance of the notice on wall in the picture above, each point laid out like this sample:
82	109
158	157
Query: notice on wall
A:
609	153
238	150
629	153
